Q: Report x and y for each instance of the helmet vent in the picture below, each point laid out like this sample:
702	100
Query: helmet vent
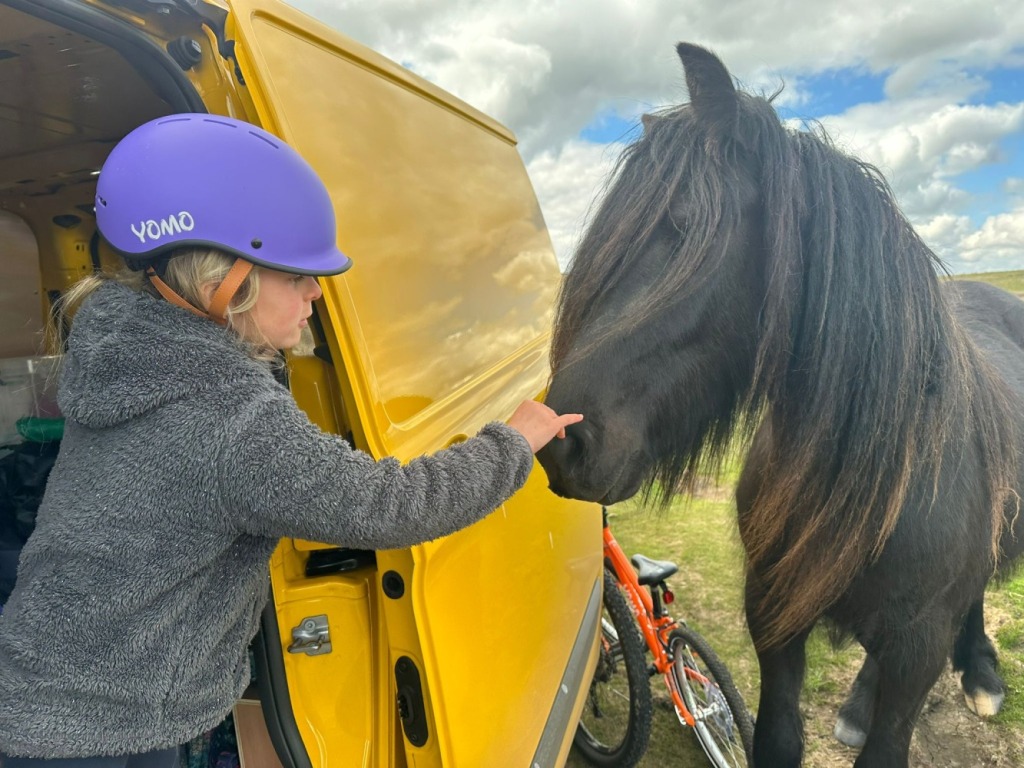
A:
257	243
264	138
219	122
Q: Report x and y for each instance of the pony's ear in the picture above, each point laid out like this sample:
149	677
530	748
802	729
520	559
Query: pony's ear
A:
648	120
712	93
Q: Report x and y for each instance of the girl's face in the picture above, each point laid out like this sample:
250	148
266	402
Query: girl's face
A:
282	308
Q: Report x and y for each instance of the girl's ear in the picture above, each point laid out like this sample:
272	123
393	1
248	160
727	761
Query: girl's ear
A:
206	291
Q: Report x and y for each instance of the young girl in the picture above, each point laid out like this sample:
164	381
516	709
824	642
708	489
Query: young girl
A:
184	460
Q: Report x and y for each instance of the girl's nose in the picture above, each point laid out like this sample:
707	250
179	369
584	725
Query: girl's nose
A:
315	291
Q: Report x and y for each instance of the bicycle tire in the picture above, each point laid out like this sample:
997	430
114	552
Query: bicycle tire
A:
615	725
726	735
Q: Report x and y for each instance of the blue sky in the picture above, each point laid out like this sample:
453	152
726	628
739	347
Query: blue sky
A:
609	127
833	91
930	91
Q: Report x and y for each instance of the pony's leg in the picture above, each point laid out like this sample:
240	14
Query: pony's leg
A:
906	672
779	729
975	657
855	715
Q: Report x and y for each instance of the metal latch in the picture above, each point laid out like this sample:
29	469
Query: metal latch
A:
312	637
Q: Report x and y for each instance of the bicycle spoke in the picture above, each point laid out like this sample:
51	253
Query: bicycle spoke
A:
699	676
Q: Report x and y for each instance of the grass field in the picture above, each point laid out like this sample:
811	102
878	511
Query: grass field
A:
1008	281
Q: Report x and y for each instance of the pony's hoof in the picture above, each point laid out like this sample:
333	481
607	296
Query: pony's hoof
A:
848	734
984	704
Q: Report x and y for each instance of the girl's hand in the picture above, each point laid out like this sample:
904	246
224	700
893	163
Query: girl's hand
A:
539	424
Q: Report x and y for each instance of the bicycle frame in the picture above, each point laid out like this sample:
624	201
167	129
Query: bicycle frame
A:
654	621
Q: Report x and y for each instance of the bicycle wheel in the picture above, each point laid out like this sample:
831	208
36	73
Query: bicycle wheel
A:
615	725
723	724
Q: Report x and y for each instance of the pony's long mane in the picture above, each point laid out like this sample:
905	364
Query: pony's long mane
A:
863	374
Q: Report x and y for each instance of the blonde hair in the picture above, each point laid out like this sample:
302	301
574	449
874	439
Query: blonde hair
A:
188	272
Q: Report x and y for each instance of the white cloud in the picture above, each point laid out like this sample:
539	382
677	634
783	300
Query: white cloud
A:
945	229
998	243
562	179
616	53
944	234
921	139
921	146
548	69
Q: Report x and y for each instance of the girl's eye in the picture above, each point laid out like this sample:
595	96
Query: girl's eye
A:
297	278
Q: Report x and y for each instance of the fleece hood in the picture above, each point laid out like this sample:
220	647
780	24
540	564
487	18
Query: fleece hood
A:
122	342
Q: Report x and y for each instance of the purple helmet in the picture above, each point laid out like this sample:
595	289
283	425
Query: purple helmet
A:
193	179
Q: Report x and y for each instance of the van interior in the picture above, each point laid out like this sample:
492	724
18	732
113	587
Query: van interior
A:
72	83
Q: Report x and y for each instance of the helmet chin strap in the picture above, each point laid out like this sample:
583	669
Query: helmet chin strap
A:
218	311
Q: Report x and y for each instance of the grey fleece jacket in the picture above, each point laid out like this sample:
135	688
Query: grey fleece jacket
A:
183	463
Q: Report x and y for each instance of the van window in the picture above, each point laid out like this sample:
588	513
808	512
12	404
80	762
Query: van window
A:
454	273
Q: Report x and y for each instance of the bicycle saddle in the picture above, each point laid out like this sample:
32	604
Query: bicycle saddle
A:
650	571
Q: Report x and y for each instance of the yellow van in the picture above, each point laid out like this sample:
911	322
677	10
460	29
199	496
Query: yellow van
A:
474	651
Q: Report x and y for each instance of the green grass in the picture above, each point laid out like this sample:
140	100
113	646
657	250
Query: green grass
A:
1009	597
700	536
1008	281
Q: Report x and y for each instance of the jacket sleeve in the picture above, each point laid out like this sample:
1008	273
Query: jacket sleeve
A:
282	476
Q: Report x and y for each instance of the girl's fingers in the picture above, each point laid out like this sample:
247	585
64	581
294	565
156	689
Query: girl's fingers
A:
539	424
564	421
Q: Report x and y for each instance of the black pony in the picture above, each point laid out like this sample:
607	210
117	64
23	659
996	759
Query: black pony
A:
742	278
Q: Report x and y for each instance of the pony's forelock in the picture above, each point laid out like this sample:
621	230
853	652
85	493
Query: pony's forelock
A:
637	200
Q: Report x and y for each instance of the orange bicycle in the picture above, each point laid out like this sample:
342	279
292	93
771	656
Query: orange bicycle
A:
615	726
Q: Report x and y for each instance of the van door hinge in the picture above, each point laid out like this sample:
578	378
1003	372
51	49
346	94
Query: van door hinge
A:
216	19
209	15
312	637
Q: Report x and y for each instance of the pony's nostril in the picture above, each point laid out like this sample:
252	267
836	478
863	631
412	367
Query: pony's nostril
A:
561	453
562	459
575	444
580	435
571	449
557	451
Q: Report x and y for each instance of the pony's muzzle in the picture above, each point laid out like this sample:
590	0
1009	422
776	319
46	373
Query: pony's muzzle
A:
564	462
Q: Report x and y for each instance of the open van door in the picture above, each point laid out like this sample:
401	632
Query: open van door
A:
474	650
